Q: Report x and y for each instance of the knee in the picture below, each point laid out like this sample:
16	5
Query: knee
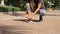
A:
43	12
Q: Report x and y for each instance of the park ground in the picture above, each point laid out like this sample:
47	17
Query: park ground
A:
15	24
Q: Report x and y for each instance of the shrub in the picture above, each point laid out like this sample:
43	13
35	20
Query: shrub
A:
9	8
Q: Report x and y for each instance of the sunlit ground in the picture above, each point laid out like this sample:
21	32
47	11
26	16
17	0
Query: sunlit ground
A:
15	24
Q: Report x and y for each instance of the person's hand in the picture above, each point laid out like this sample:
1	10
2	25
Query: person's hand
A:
26	16
31	16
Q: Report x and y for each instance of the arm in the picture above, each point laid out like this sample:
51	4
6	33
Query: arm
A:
38	8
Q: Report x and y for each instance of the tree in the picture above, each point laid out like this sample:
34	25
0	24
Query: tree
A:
55	2
15	3
21	3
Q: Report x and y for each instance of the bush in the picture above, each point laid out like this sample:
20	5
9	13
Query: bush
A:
9	8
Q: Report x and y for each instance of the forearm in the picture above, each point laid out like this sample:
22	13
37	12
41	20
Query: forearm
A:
36	11
29	13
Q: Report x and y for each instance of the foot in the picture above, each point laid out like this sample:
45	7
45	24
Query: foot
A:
29	20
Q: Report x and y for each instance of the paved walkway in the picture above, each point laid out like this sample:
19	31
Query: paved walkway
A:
14	24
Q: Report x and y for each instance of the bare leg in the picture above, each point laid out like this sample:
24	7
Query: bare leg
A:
42	13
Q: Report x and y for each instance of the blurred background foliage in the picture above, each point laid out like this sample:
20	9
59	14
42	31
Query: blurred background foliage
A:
21	4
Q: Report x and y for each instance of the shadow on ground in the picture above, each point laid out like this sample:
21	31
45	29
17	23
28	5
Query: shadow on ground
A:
25	20
5	29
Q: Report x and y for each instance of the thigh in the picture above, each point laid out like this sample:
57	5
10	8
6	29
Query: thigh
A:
43	11
28	7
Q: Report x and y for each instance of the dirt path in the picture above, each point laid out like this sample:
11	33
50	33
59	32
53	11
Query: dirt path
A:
14	25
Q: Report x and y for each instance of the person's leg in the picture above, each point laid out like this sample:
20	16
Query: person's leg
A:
28	13
42	13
